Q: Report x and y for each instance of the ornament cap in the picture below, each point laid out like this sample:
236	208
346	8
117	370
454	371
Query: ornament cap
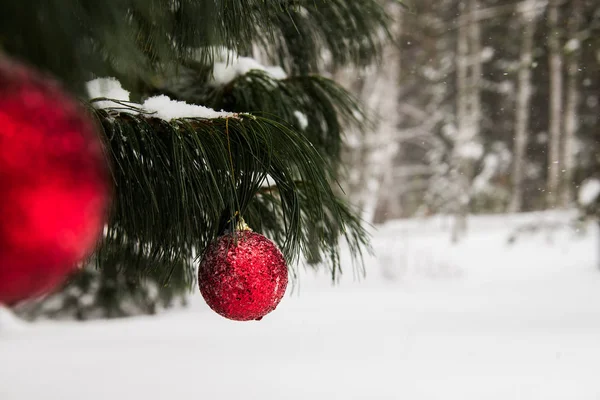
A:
238	225
242	226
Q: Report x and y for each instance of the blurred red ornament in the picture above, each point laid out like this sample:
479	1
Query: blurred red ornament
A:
243	276
53	182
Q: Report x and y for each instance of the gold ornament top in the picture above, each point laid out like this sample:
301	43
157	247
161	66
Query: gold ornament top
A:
242	226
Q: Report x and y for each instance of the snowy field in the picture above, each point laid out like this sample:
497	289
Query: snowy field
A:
481	320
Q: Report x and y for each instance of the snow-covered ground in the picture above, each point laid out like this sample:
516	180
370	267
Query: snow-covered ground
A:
481	320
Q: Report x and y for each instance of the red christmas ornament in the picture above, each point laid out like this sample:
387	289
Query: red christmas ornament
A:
243	276
53	182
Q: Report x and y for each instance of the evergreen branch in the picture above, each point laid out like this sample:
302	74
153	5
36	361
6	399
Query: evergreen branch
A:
313	105
175	181
133	40
347	31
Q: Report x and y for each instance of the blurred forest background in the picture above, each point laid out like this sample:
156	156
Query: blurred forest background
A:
496	110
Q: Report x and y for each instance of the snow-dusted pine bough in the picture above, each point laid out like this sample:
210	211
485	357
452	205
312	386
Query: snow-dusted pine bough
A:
180	168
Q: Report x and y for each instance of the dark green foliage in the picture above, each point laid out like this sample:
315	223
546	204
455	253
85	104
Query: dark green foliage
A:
173	181
179	183
348	31
135	40
312	100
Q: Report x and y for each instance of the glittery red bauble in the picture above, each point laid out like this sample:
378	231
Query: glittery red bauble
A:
243	276
54	185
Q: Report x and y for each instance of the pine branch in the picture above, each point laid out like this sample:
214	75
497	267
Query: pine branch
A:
134	40
175	180
350	32
316	106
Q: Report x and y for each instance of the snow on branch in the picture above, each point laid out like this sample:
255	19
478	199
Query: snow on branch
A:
107	93
228	66
165	108
109	88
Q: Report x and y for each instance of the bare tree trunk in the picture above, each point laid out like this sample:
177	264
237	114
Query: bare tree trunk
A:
523	105
388	202
379	92
462	75
572	89
476	69
468	77
462	125
555	109
384	98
